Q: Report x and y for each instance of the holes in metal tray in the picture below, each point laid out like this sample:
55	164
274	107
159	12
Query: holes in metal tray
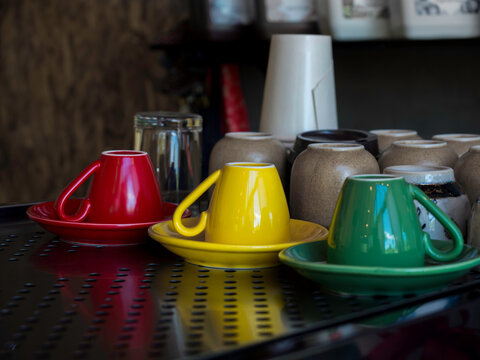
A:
55	335
25	328
194	342
31	321
355	306
323	305
235	294
162	329
292	306
458	282
262	312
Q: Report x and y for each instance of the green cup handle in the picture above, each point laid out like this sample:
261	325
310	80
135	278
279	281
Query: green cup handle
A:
447	224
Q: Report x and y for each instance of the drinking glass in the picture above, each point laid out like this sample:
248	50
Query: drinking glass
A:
173	141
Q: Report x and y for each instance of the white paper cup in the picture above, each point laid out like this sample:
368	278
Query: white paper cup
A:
299	90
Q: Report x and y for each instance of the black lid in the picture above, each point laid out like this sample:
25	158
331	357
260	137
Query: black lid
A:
349	136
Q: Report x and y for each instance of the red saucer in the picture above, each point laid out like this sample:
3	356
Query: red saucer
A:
94	233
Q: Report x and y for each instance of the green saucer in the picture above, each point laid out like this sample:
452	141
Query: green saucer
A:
309	260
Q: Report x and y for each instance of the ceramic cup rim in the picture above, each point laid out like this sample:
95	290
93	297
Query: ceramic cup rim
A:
415	169
304	37
394	132
249	135
457	137
375	177
474	148
337	146
123	153
422	174
249	165
423	144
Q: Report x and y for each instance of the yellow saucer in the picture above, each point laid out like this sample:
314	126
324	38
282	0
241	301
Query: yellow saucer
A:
197	251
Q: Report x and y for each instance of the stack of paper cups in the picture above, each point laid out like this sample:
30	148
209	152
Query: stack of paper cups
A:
299	90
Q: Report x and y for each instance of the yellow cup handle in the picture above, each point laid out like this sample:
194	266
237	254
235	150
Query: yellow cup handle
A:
188	201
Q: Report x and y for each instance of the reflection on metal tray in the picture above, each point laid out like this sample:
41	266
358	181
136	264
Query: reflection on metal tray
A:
59	300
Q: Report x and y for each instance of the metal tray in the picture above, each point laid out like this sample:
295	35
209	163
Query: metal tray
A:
60	300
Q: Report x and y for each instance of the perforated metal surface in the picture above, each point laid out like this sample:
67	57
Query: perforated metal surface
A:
59	300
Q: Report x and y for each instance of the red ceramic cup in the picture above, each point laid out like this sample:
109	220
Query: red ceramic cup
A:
124	190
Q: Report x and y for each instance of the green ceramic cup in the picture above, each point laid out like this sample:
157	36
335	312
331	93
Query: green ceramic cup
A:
375	223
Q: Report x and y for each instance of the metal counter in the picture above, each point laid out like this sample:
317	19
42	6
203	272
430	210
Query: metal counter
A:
64	301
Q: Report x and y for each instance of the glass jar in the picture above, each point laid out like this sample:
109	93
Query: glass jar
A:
174	143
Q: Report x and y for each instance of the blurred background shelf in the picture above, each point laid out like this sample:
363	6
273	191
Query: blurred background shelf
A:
432	86
74	74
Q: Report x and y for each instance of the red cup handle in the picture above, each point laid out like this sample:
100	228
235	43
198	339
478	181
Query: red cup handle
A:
82	213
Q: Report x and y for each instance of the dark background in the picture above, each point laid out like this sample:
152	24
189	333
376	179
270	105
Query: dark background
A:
73	74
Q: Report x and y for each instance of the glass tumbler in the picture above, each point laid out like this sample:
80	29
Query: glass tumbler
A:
173	141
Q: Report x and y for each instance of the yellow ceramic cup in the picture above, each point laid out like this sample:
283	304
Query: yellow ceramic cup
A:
248	207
